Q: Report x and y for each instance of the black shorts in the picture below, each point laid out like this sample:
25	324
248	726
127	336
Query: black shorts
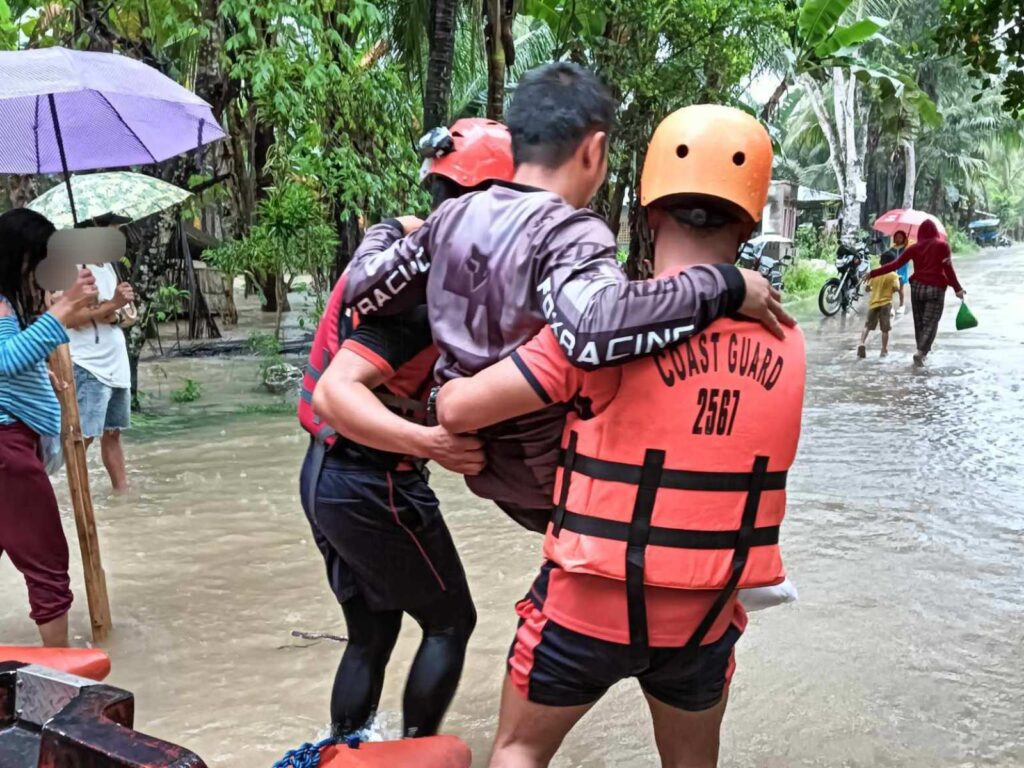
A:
552	665
382	536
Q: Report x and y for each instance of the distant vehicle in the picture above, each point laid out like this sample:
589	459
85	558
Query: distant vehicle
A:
767	254
986	232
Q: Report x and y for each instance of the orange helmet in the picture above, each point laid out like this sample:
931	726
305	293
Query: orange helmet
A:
713	151
472	151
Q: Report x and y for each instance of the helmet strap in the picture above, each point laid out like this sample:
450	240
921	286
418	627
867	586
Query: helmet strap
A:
701	218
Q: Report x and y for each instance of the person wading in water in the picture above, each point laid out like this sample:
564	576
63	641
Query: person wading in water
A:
30	529
933	274
672	487
374	518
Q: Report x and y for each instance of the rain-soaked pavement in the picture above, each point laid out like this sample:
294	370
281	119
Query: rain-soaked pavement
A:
904	535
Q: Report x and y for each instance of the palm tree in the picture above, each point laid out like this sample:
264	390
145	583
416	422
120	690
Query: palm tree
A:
438	87
499	15
533	42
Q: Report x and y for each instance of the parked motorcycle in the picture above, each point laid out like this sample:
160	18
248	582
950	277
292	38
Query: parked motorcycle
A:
757	256
842	292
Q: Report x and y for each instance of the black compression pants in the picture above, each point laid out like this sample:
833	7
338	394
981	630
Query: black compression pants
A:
433	678
388	551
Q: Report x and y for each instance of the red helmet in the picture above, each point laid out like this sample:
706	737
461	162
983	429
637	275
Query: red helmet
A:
472	151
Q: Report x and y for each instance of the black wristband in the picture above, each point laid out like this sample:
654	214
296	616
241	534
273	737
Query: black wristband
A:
735	289
395	224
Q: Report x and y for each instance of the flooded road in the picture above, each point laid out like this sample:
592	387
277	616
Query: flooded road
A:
904	536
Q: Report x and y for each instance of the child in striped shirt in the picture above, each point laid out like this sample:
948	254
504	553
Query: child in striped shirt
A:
30	528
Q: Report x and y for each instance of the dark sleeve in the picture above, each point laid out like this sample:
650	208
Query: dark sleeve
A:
388	272
599	317
892	266
389	342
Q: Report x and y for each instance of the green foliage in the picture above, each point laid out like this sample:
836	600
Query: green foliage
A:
169	302
821	41
814	243
263	344
961	243
657	57
989	36
8	29
291	237
190	391
346	129
802	278
267	347
818	18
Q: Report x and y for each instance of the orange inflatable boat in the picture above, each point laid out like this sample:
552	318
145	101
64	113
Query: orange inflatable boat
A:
84	662
428	752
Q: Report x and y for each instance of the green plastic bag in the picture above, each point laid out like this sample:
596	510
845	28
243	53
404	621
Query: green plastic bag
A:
965	318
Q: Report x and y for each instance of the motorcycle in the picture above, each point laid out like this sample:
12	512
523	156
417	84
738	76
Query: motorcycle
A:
754	255
842	292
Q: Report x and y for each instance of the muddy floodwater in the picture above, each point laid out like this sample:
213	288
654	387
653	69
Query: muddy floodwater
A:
905	536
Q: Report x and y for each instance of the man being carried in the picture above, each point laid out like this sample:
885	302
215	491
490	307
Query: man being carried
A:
672	489
494	267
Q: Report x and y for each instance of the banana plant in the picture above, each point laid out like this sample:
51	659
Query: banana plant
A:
819	41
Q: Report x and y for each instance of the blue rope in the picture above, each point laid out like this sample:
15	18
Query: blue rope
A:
308	755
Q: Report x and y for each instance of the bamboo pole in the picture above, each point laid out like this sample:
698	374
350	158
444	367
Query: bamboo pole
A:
73	443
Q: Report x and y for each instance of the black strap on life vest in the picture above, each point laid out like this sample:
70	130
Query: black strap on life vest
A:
739	556
568	467
680	538
676	479
639	534
636	556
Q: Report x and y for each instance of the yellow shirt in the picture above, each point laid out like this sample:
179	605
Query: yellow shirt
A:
882	289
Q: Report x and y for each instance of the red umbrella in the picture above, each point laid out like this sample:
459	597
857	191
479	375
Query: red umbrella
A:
907	220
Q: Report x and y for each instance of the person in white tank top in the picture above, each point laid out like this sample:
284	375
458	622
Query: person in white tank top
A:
99	352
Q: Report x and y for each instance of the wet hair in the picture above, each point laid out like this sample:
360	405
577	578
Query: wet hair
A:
555	107
23	236
887	258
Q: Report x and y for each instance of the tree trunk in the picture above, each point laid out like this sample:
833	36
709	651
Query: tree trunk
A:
499	16
910	183
271	296
280	299
772	105
836	153
438	90
890	185
854	159
936	194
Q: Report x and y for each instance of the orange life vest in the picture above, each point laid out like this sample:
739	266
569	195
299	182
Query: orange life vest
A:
680	480
401	393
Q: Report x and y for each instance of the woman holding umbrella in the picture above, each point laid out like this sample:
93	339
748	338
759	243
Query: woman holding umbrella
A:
933	273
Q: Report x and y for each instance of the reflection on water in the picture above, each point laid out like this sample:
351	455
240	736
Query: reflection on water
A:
904	536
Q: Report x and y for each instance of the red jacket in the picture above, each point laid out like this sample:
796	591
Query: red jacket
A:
933	261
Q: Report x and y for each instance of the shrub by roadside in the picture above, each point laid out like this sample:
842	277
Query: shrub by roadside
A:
804	278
